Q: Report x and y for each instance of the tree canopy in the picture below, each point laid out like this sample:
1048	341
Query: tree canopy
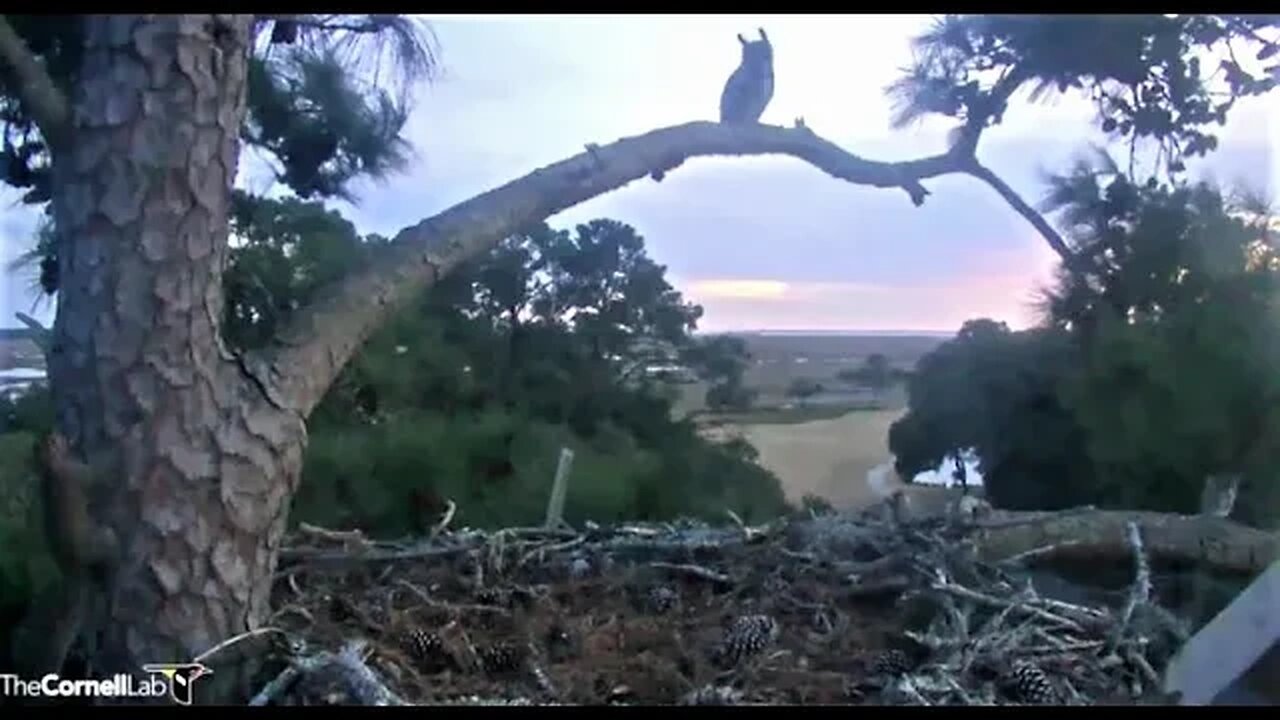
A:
1150	373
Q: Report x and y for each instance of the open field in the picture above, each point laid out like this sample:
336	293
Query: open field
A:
780	359
829	458
777	360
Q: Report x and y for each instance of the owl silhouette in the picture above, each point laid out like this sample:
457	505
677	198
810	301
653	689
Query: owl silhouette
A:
750	87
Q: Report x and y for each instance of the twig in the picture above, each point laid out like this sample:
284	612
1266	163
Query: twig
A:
976	596
1140	593
1038	552
343	536
337	558
544	549
1144	667
888	586
293	610
807	557
539	675
696	571
425	597
235	640
276	687
444	522
293	584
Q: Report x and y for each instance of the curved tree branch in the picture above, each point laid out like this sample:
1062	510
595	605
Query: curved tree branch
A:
298	366
978	170
37	91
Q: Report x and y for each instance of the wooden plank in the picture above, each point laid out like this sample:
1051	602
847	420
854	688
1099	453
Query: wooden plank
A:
1225	650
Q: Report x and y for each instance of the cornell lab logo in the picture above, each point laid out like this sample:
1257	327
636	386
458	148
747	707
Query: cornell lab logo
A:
181	676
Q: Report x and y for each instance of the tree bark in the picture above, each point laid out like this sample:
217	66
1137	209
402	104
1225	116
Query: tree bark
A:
195	465
1210	542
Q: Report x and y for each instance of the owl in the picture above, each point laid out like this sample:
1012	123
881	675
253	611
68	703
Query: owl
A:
750	87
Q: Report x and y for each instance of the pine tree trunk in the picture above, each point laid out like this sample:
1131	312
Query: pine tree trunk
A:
196	467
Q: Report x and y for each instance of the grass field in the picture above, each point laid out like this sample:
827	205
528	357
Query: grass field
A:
829	458
819	449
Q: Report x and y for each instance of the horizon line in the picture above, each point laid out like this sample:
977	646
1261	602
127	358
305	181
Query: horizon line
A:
848	332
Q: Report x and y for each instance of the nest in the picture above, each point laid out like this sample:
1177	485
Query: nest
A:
830	608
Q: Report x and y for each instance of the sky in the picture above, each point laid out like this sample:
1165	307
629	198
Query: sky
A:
760	243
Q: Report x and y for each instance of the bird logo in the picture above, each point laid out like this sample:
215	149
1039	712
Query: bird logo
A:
181	677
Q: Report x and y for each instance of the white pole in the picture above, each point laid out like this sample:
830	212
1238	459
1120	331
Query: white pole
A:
555	505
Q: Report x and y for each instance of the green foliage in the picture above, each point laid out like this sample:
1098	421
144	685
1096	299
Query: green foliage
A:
327	102
284	251
995	391
26	566
804	388
1154	370
550	339
722	362
306	109
28	412
875	373
1142	72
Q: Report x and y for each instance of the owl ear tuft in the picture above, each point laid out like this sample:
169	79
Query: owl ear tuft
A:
742	39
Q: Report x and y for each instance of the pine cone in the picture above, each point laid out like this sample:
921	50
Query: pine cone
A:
426	649
747	635
501	658
1030	685
891	663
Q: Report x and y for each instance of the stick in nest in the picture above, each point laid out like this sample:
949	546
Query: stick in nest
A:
541	551
979	597
444	522
696	571
425	597
235	640
346	537
1140	593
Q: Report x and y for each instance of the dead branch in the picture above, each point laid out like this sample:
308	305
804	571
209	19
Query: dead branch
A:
329	558
695	570
1029	213
1218	543
346	537
456	608
1140	593
1026	608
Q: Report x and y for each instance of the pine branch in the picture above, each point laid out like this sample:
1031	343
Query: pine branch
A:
35	88
1015	201
305	357
41	336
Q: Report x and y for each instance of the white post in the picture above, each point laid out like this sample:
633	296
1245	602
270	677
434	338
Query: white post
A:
555	504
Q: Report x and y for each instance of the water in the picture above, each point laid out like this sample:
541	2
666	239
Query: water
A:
15	381
881	478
